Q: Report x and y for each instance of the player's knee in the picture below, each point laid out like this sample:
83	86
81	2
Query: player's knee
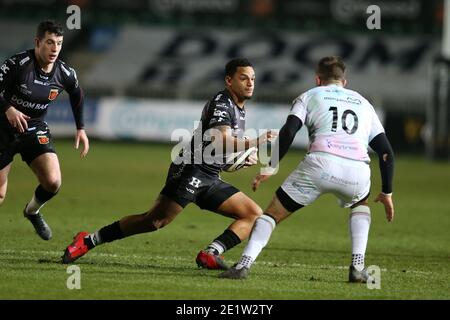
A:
53	184
254	212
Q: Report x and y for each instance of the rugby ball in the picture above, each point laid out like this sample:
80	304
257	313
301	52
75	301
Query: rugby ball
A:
236	160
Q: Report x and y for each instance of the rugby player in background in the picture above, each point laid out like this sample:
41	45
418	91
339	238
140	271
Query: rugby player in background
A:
29	82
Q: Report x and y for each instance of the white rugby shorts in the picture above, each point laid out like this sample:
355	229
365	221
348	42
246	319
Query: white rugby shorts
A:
320	172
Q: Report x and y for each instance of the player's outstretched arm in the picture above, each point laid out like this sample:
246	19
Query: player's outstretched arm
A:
282	144
223	138
81	136
380	144
286	136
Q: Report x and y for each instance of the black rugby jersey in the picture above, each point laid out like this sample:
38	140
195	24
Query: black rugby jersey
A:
30	90
219	111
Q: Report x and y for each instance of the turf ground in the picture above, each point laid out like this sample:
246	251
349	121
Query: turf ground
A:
307	257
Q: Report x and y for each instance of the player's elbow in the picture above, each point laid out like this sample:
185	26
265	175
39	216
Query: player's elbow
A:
381	145
387	154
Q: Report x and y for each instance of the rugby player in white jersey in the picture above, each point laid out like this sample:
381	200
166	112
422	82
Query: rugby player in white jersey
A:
341	125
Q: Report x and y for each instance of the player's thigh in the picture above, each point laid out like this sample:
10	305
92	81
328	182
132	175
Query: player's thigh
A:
184	184
302	186
46	168
4	181
239	206
349	181
164	209
7	152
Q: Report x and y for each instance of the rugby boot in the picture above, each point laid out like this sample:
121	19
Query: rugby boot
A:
209	260
76	249
234	273
40	226
357	276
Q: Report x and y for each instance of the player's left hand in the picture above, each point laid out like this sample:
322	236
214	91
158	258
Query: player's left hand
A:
251	160
386	200
81	136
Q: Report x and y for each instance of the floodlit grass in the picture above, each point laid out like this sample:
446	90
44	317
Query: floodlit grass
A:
307	257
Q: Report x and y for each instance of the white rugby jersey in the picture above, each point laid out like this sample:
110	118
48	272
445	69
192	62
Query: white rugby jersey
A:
339	121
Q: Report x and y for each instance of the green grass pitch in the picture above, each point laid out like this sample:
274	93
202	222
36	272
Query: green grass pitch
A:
307	257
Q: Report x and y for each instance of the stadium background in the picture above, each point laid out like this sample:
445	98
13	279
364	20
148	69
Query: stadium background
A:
147	68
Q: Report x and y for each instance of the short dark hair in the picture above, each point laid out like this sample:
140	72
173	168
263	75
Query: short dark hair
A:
331	68
49	26
232	65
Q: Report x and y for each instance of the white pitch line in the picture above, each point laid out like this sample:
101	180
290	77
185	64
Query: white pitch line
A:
172	258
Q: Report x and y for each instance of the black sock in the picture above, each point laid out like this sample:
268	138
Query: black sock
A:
43	195
228	239
111	232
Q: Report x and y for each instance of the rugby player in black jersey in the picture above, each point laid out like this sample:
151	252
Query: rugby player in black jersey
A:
29	82
198	181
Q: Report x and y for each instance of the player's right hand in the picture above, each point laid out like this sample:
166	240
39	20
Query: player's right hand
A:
386	200
258	179
17	119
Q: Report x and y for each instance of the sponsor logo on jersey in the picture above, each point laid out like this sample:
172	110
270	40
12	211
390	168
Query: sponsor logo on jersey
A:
41	132
43	139
325	176
28	104
53	94
190	190
41	83
218	113
4	68
21	62
354	100
302	189
24	89
340	146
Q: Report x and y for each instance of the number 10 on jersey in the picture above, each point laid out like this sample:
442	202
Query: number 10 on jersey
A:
344	116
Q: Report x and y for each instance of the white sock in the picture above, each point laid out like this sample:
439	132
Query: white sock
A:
34	206
359	225
259	238
245	261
